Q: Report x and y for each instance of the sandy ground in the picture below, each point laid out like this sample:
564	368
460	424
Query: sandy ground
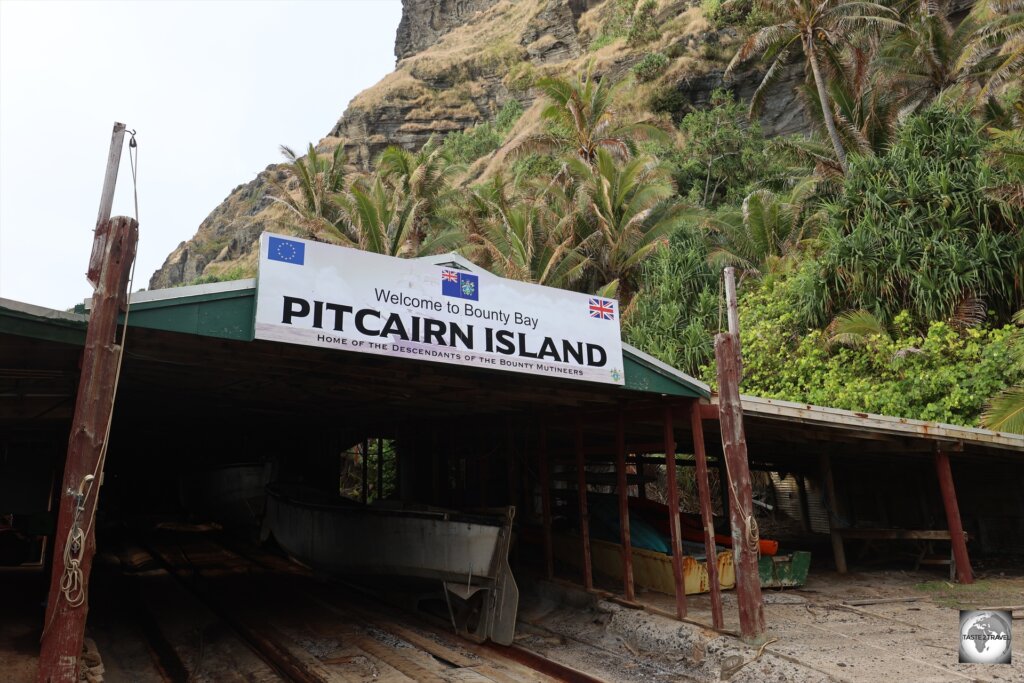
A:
913	641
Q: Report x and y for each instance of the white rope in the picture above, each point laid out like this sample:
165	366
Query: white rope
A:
72	580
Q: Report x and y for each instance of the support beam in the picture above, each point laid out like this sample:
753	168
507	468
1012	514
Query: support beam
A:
745	537
581	492
380	468
75	540
673	513
801	492
838	552
706	514
545	500
620	470
956	528
365	492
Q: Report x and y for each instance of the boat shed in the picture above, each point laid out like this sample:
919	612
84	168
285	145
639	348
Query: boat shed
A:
198	389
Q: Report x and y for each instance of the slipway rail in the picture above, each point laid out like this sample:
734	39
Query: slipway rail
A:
308	631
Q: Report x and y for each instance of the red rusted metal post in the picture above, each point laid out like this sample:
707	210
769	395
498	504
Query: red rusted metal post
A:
706	515
745	536
64	625
964	574
620	470
545	501
673	514
581	489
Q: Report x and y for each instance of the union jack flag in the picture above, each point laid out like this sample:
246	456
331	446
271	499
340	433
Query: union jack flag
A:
602	309
449	275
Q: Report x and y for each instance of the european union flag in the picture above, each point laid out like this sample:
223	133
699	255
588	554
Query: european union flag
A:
288	251
460	285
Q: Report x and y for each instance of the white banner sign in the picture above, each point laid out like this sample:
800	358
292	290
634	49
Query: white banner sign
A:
437	308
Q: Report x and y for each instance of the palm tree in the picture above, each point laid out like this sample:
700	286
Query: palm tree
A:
628	213
524	240
764	236
580	120
996	48
320	180
822	28
383	221
424	177
922	59
1005	411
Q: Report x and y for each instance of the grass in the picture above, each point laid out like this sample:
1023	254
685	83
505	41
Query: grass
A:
985	592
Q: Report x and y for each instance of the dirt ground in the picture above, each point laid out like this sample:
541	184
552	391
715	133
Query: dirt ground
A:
914	641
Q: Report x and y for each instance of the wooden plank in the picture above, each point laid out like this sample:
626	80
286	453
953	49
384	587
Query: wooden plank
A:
956	529
64	624
744	529
895	534
879	601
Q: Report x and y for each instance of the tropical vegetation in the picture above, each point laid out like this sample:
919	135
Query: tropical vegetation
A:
881	254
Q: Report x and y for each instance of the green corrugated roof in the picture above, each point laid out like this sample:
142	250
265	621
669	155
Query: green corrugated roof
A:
226	310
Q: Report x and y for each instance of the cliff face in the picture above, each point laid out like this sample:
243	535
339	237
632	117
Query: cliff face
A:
459	61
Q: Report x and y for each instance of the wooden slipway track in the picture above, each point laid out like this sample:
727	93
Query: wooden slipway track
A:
219	610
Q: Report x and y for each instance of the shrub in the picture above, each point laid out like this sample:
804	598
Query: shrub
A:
650	67
643	27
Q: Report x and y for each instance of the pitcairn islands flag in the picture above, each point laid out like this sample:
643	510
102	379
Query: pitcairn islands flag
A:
460	285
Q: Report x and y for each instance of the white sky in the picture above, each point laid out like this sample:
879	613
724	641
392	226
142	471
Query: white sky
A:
212	89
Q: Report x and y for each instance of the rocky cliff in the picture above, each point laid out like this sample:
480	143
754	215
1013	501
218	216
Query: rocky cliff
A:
459	61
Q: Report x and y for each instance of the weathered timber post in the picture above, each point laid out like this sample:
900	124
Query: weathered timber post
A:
838	552
75	540
581	487
745	536
673	513
956	528
623	491
545	500
706	514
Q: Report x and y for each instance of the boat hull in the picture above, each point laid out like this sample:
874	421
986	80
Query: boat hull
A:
467	553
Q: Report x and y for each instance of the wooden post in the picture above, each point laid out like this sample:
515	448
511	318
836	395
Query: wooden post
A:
620	469
100	232
365	493
733	315
581	489
801	492
956	529
706	514
545	501
64	624
380	468
838	552
673	513
745	537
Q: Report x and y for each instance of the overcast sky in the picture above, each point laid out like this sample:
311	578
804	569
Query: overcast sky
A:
212	89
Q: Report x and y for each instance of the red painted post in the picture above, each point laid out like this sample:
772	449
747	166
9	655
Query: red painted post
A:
673	514
745	536
581	489
964	574
64	623
620	469
545	501
706	515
